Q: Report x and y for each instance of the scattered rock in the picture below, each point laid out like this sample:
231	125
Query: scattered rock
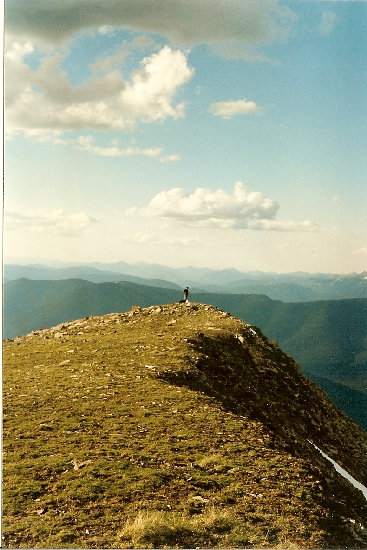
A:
78	465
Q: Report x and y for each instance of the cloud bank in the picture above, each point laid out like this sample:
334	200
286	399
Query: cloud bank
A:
57	222
217	208
188	22
43	98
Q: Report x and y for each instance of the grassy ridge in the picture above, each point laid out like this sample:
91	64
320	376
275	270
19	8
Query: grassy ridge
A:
327	338
166	428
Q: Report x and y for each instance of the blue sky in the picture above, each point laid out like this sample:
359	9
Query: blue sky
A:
212	133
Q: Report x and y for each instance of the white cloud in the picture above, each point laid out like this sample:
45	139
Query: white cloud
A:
189	21
276	225
44	99
227	109
328	22
170	158
39	134
57	222
360	252
85	143
149	96
154	239
207	208
213	207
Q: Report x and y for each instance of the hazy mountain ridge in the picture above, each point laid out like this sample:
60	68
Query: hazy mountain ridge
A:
288	287
40	272
172	426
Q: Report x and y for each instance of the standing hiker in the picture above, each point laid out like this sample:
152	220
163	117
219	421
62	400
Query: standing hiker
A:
186	293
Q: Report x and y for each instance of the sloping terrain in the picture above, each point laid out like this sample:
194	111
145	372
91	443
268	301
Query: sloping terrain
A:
327	338
172	426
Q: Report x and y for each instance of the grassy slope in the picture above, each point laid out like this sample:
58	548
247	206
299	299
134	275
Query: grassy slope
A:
159	428
326	338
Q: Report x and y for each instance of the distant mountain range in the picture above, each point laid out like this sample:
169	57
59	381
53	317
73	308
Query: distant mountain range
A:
89	273
288	287
327	338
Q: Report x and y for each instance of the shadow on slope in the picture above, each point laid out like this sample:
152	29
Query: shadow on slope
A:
249	375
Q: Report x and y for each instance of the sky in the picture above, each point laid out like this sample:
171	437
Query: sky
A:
212	133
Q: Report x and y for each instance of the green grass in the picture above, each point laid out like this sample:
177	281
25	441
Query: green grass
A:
113	437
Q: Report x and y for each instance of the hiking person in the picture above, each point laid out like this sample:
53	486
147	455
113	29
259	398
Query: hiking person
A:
186	293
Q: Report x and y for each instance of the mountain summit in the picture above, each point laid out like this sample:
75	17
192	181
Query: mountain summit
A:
173	426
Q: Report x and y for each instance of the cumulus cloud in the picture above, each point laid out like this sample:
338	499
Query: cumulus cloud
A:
217	208
43	98
57	222
227	109
239	21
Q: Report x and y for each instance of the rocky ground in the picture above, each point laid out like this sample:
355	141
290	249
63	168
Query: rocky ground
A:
172	426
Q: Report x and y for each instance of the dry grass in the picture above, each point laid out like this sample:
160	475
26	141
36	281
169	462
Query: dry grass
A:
165	529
